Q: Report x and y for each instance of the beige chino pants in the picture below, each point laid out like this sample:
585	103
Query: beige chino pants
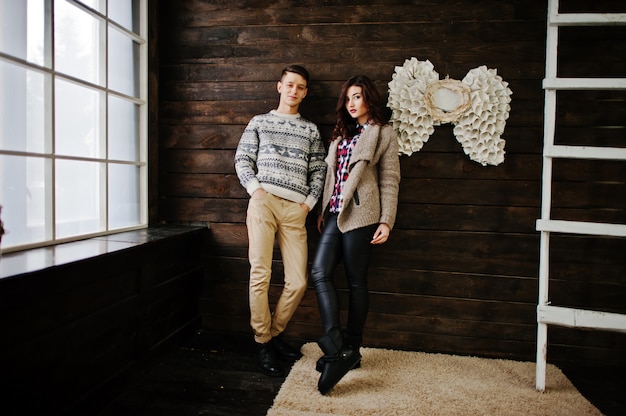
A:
271	218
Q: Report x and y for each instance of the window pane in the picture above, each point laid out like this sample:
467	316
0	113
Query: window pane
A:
22	26
124	196
123	76
98	5
123	130
78	121
124	12
71	159
77	43
23	199
23	115
78	188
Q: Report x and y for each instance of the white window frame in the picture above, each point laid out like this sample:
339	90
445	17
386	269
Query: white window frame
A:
48	155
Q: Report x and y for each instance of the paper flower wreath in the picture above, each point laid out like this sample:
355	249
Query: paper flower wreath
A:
478	106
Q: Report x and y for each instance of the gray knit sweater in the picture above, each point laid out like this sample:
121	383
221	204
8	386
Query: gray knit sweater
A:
284	155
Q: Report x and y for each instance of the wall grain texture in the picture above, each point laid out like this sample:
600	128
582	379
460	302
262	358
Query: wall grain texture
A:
459	274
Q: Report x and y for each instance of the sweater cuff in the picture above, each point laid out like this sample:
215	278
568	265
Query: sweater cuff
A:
310	201
252	186
389	220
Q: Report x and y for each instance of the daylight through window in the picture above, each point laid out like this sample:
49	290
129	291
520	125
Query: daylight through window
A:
73	119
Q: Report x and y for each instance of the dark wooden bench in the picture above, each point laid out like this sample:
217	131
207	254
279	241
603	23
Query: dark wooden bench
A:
77	318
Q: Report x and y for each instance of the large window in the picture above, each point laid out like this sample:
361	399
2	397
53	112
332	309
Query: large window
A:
73	114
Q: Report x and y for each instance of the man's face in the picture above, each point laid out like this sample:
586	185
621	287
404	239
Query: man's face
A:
292	88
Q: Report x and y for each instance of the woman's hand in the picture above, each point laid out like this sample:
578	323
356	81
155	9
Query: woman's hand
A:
320	222
381	235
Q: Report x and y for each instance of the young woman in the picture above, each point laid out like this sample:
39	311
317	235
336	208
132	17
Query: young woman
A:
358	210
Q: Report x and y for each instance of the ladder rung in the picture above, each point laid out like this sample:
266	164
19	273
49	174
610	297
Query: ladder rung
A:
579	227
584	83
588	19
585	152
580	318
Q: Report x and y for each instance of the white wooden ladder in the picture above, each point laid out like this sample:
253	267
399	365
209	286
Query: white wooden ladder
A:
548	314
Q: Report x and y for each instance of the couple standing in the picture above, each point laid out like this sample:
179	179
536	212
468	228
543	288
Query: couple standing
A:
281	162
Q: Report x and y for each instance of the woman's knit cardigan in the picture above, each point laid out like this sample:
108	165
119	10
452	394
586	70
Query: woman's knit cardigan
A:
370	195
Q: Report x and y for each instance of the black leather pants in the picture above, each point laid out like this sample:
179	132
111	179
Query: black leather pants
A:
354	249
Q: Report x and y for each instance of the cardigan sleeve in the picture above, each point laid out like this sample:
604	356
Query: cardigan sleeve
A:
389	177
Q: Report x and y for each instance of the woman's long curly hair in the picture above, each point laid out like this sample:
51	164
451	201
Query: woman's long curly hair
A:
345	126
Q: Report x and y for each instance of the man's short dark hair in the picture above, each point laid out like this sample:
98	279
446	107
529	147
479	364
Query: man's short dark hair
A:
297	69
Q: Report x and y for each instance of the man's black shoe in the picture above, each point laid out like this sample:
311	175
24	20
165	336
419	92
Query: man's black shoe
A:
267	362
284	351
335	369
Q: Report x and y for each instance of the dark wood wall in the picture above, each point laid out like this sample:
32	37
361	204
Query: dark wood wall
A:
459	274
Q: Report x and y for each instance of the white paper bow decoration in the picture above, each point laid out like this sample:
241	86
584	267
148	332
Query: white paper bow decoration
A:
478	106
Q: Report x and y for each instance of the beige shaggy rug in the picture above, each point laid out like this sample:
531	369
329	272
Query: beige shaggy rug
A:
415	383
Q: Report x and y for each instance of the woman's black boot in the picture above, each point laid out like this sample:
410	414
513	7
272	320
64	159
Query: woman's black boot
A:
341	359
351	341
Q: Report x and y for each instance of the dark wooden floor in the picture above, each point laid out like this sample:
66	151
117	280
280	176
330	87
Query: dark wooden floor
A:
212	374
215	375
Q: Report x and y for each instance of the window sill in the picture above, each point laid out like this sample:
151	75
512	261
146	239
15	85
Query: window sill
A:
13	265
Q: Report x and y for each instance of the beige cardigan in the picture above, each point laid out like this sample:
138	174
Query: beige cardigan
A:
374	176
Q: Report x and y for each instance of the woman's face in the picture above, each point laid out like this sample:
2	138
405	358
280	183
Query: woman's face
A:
355	105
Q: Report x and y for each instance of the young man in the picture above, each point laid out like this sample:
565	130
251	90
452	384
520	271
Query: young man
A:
280	162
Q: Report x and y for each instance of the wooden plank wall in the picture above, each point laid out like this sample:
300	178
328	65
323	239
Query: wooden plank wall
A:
459	274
